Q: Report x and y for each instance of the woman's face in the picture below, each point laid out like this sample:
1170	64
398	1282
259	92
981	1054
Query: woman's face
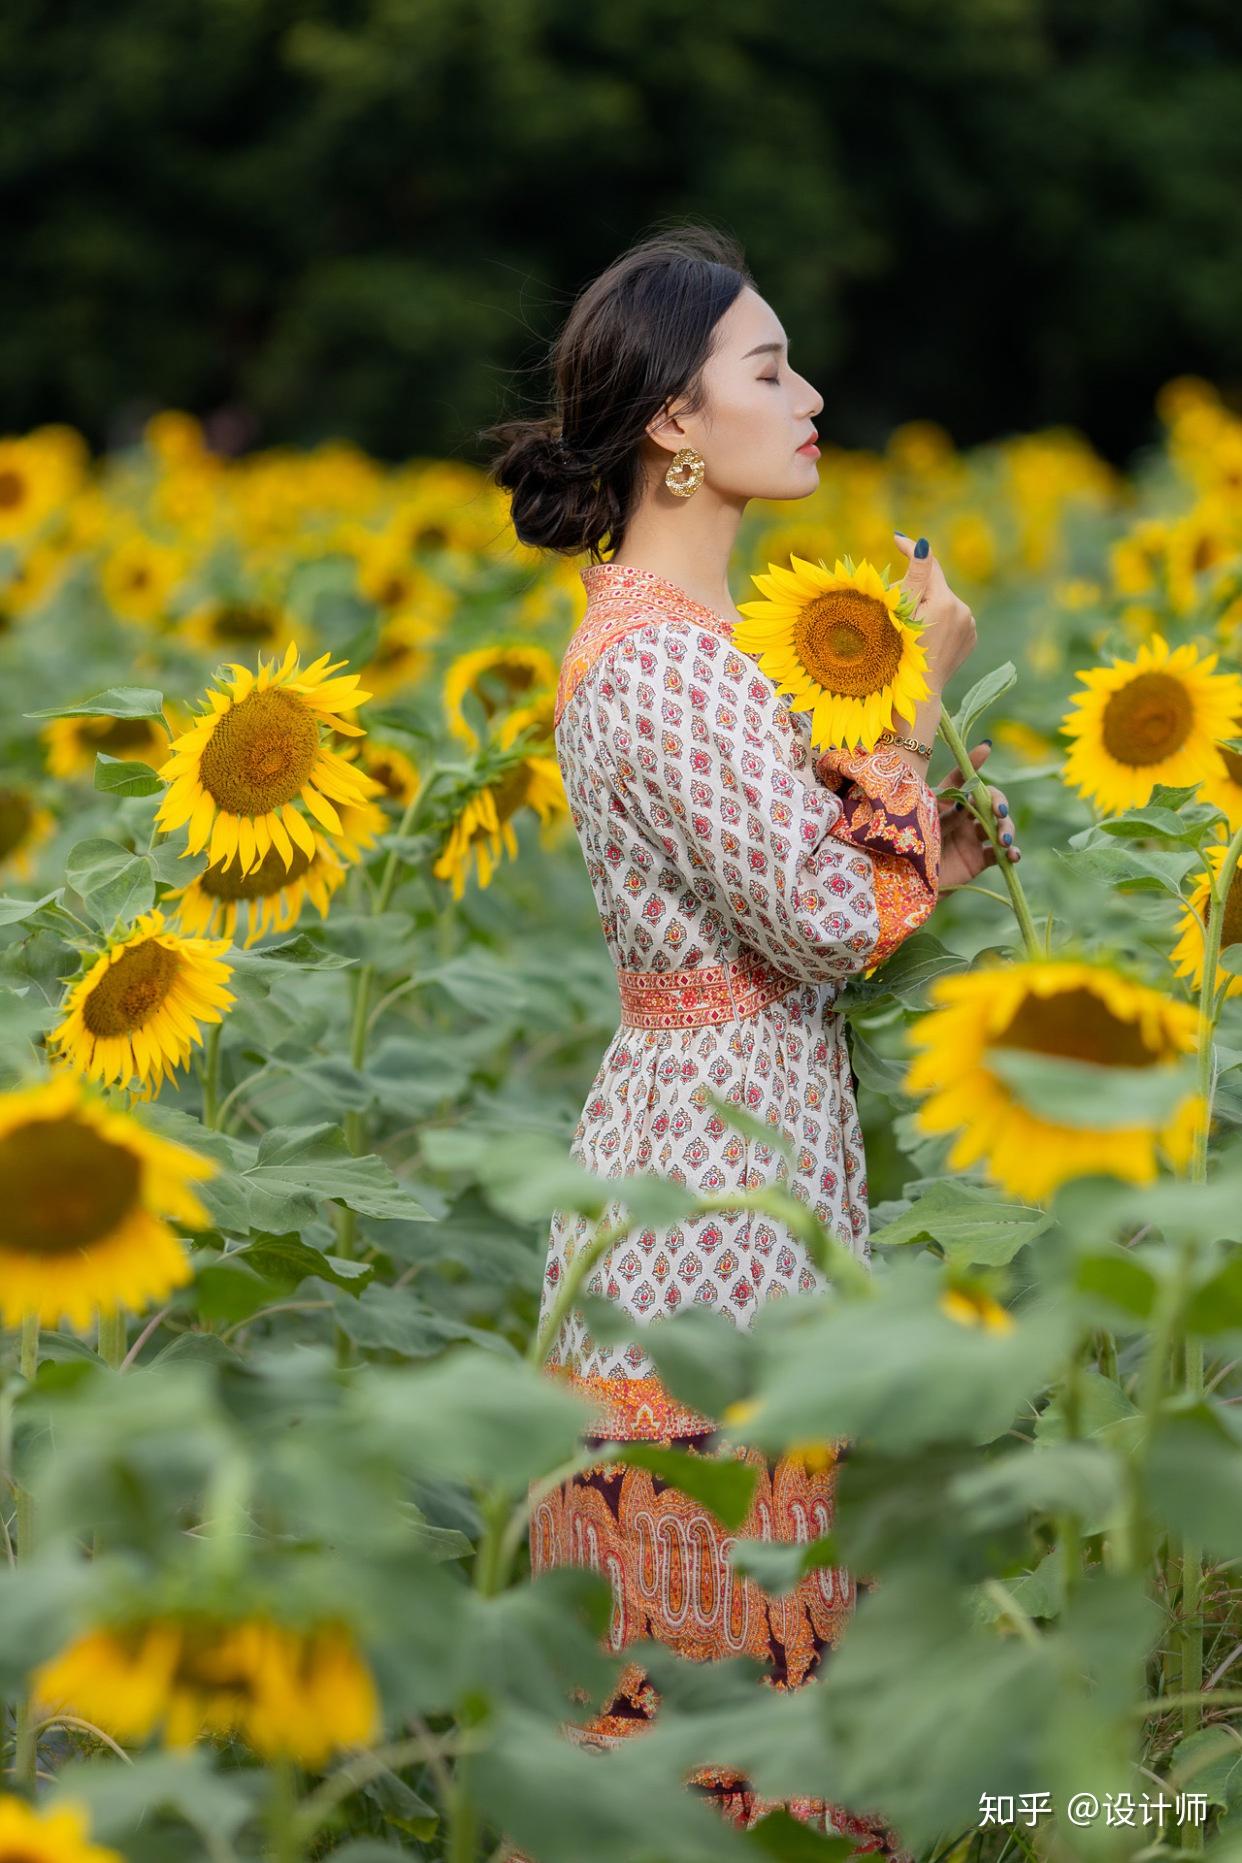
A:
759	413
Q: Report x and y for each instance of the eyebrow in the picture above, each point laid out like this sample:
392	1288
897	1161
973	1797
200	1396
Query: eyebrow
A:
762	349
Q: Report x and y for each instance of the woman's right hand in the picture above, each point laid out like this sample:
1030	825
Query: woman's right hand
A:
949	632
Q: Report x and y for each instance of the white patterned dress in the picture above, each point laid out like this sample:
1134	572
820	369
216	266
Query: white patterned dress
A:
741	880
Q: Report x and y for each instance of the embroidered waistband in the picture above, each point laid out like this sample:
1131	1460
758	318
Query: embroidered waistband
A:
703	994
633	1409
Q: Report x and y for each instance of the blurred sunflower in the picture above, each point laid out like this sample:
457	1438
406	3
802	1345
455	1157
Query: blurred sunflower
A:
283	1691
238	624
394	771
55	1836
841	643
485	825
361	828
71	743
1224	785
85	1196
1067	1010
403	654
271	894
496	675
24	826
1188	953
971	1306
36	475
236	775
32	581
1154	719
135	1015
138	577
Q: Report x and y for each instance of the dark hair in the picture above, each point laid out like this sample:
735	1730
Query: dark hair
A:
636	337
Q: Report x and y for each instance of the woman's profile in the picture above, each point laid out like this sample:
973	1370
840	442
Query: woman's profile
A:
742	878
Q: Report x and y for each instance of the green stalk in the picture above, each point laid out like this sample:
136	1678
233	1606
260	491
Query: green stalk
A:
211	1077
981	797
355	1125
25	1760
112	1338
1189	1638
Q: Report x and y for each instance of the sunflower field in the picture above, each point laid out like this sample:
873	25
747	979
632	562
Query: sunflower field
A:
301	988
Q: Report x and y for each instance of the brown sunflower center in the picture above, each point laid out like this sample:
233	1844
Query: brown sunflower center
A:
511	791
1147	719
205	1663
387	773
1233	762
131	990
138	578
16	815
113	734
12	489
260	753
1075	1025
63	1186
393	591
267	878
243	621
848	643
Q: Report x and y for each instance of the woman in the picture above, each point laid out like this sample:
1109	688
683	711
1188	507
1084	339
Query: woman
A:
742	878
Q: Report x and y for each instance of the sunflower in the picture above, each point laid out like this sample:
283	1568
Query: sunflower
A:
299	1693
272	894
971	1306
403	655
392	769
516	669
24	827
236	775
86	1194
71	743
135	1015
485	824
1154	719
58	1836
1072	1011
36	475
361	828
841	643
238	624
1188	953
138	577
1224	785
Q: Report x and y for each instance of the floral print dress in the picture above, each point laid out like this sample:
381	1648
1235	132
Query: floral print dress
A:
742	879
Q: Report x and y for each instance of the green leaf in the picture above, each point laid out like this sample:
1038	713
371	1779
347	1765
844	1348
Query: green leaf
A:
299	953
116	702
983	694
724	1485
114	882
970	1224
287	1258
1194	1476
122	1800
779	1565
1216	1304
14	911
1129	869
1177	830
300	1168
117	777
1086	1094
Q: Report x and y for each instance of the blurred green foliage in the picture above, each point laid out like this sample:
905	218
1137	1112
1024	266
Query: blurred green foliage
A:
366	217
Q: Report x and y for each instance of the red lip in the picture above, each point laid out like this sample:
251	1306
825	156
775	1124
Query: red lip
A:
806	444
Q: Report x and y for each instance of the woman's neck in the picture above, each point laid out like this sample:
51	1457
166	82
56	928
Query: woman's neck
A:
689	548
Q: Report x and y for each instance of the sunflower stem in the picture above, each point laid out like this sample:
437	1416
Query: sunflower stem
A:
1188	1639
211	1078
284	1823
111	1335
25	1759
978	790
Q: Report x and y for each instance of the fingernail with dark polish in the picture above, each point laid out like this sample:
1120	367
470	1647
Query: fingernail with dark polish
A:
1016	854
987	741
922	547
1002	808
901	533
1006	840
958	805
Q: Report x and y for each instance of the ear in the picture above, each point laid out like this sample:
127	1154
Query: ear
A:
666	430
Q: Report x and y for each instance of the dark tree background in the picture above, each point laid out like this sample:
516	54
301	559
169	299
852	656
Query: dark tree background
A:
367	217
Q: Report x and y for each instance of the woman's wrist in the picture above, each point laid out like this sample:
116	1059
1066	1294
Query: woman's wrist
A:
921	723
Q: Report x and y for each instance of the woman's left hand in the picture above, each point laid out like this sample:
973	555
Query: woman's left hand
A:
965	849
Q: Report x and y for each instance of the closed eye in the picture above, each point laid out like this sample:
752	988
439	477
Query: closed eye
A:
769	378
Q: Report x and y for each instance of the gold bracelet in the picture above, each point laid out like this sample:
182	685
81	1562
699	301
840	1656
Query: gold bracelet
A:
906	743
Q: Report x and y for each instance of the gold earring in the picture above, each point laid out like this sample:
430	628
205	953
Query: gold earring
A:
685	474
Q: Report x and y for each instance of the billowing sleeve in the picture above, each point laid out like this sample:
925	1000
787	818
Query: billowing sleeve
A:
824	870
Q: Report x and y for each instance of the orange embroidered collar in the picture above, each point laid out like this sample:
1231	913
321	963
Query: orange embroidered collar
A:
620	598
